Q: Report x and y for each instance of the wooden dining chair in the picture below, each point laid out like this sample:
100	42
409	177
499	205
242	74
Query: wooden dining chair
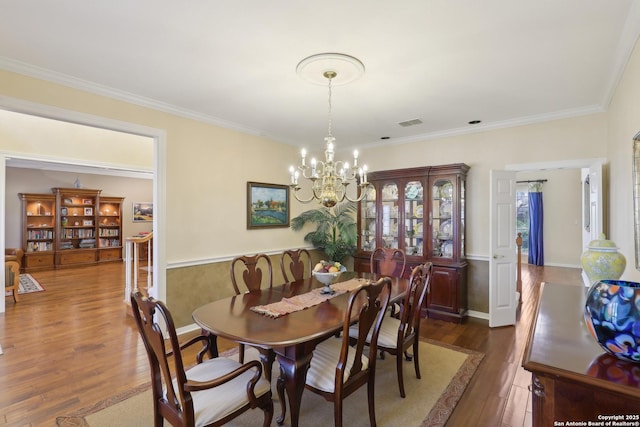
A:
251	268
295	262
388	262
212	392
337	369
12	278
399	334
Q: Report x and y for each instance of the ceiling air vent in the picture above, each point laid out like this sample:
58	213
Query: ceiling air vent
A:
410	123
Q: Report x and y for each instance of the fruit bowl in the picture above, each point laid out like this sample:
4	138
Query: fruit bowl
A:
326	278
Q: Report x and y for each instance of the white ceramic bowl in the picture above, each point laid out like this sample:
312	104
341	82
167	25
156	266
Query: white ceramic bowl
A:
328	278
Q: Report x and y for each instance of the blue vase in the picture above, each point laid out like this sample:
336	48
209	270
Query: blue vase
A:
612	315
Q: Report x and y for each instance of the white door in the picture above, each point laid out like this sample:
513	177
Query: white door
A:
593	217
503	300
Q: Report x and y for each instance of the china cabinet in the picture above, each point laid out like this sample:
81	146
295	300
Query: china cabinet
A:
421	211
38	230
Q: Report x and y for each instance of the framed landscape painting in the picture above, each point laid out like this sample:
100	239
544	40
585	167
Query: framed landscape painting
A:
267	205
142	211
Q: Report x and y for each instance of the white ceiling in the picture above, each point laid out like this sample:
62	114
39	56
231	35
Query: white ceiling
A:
445	62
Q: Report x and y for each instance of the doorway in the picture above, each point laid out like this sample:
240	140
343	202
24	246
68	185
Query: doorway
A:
158	138
504	285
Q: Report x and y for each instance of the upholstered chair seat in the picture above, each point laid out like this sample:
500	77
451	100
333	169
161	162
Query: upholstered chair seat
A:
321	373
228	397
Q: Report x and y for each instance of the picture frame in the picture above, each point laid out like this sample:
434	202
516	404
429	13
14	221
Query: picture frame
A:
64	212
88	211
67	201
267	205
87	201
142	211
87	222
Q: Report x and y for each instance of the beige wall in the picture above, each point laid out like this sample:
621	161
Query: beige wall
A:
40	136
623	124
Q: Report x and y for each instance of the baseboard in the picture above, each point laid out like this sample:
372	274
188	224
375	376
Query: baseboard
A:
189	329
478	314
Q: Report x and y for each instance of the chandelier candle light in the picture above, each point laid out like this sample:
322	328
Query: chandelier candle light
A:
329	178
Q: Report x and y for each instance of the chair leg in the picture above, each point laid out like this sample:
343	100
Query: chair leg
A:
15	295
268	413
371	401
400	374
416	358
337	412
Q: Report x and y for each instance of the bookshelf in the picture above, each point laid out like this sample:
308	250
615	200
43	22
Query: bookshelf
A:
110	228
38	230
71	227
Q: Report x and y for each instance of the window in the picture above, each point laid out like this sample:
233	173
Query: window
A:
522	216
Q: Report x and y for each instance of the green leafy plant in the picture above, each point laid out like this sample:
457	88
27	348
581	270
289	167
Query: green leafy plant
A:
336	233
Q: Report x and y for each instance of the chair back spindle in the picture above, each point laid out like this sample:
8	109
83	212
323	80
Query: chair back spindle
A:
294	263
252	267
388	262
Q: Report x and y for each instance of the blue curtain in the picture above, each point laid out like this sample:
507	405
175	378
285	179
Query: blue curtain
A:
536	246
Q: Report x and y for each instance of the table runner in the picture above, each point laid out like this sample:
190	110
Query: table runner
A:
306	300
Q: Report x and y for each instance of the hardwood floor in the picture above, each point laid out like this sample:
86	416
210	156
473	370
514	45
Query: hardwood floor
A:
75	344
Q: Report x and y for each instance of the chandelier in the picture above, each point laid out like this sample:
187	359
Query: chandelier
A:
330	178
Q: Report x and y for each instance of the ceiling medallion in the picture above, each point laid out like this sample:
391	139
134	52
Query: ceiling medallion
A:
346	67
329	178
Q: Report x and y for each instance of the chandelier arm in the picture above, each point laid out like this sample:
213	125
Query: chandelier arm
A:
357	199
362	186
295	190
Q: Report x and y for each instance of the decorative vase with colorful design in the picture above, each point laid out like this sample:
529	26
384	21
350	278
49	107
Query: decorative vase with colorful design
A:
602	260
612	315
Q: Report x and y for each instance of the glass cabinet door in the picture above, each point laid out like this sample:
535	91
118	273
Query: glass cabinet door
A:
390	221
441	218
368	221
414	216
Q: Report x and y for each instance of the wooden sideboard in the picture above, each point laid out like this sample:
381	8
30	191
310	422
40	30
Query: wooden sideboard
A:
573	379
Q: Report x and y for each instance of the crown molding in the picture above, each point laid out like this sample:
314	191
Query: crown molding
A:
504	124
29	70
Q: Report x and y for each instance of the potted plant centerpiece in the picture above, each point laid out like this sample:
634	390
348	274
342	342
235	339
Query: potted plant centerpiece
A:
336	232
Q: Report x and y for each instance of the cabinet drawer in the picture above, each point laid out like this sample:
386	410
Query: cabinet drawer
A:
110	254
76	257
38	260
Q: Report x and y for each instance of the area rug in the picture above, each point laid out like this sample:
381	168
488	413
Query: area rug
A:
446	371
28	284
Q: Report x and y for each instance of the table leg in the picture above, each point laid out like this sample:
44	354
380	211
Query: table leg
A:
293	375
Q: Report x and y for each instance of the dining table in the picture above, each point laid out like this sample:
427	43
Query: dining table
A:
293	336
